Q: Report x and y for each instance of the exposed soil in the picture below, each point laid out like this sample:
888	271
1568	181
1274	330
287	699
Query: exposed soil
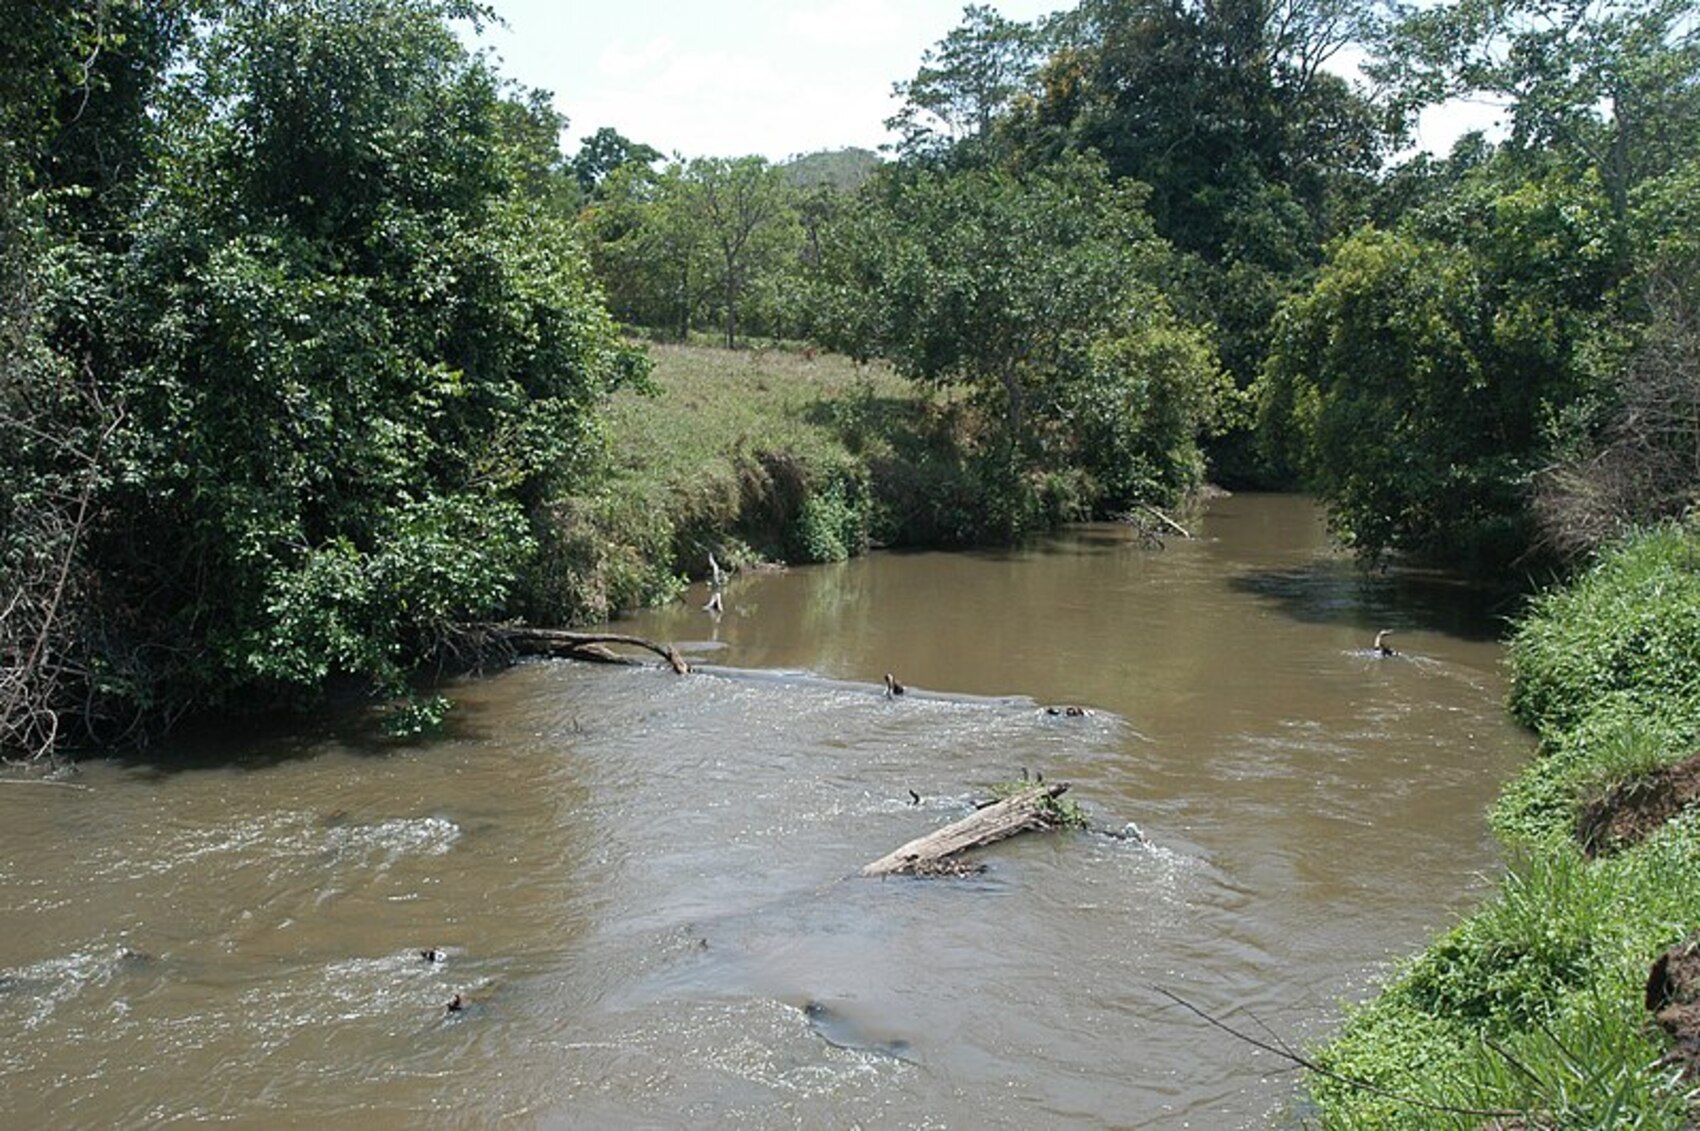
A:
1673	998
1632	811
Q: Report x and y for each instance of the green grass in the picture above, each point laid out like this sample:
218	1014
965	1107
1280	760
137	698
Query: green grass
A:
1628	628
777	454
716	409
1533	1003
754	455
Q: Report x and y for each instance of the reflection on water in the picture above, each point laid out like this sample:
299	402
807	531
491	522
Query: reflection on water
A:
644	886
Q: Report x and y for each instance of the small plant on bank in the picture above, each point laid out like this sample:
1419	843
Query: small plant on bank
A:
832	524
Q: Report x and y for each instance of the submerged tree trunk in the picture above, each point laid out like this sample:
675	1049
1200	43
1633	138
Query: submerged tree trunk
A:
1023	812
588	646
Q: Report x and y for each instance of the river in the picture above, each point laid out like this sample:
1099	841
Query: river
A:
643	885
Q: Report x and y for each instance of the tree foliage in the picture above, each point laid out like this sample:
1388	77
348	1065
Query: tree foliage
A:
1421	381
1039	294
1448	381
966	83
605	151
326	376
1607	83
708	240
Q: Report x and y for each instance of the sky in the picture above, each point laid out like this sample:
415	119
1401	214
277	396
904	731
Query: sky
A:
729	78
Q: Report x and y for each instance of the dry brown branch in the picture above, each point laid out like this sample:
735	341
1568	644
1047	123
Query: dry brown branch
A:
1165	520
38	672
1645	466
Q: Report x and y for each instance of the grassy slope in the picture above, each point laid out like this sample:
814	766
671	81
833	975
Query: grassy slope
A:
1533	1004
717	409
750	453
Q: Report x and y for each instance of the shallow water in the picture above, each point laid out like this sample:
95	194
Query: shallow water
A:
645	885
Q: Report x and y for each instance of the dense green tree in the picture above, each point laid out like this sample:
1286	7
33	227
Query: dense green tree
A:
648	249
1422	382
1612	83
746	211
1254	152
1039	294
1220	107
76	139
338	360
1489	351
605	151
711	238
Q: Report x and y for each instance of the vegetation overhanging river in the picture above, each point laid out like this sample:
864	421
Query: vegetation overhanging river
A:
644	885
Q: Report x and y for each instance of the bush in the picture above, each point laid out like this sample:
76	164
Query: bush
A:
832	524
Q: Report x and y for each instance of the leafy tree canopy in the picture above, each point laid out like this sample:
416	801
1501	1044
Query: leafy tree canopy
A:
1039	293
603	152
966	82
1611	83
324	381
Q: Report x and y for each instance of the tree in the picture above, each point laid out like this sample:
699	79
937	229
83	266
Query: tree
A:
965	83
1254	153
1213	104
338	361
1611	82
746	214
76	80
648	249
1420	381
1643	465
605	151
1039	294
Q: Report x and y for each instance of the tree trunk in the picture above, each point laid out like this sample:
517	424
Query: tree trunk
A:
589	646
1022	812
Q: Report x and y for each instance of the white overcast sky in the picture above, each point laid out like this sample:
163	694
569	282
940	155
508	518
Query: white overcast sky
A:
733	77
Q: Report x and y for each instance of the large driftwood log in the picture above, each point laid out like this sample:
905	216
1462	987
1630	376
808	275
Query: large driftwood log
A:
1018	813
591	646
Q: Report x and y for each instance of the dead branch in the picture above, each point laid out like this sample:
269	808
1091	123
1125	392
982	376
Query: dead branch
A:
1022	812
1165	520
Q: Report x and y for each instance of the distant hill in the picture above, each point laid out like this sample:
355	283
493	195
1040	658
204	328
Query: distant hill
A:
841	168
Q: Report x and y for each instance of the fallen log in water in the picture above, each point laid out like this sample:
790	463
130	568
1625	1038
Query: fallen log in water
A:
1030	809
588	646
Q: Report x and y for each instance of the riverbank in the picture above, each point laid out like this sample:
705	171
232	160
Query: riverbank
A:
769	455
1537	1004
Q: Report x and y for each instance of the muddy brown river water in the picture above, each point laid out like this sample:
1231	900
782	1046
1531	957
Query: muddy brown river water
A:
644	885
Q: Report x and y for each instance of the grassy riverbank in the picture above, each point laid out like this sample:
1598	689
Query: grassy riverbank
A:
1534	1004
775	454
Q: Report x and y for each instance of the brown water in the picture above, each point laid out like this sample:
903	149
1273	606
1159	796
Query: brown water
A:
643	881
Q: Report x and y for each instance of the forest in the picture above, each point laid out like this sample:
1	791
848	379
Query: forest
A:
311	319
311	322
